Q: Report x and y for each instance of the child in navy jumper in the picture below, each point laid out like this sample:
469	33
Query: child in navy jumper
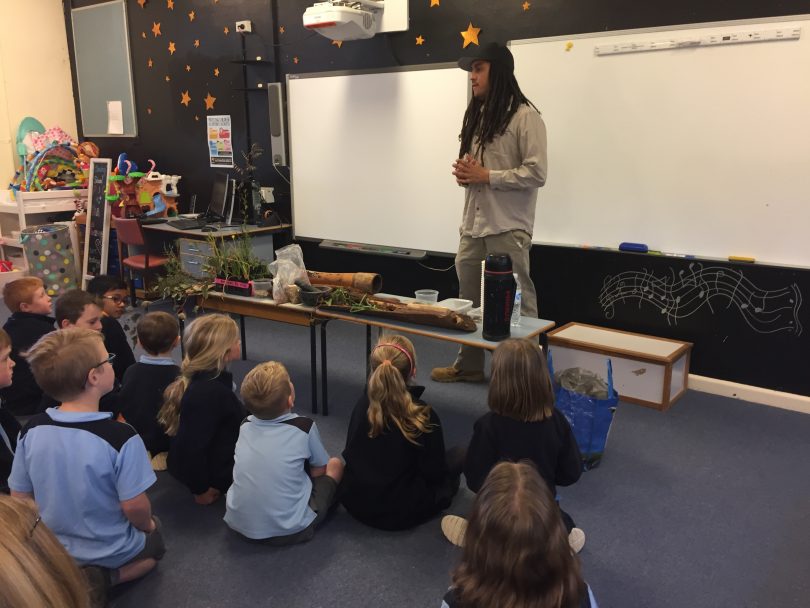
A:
113	295
9	427
516	551
144	382
283	480
522	424
88	473
30	319
397	472
201	412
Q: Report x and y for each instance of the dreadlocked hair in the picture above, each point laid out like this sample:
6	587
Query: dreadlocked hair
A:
487	118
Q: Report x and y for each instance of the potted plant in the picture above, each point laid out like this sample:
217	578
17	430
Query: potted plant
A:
233	265
247	189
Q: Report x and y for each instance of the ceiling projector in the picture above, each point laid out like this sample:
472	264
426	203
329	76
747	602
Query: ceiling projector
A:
344	20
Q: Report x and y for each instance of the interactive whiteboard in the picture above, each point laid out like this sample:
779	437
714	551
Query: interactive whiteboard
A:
372	154
701	148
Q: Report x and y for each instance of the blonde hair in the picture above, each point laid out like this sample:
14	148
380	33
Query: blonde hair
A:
207	341
520	386
61	360
393	362
5	339
35	569
266	390
20	291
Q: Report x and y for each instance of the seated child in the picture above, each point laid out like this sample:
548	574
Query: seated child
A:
516	549
201	412
77	308
89	474
141	395
397	473
9	427
30	319
522	424
273	496
112	293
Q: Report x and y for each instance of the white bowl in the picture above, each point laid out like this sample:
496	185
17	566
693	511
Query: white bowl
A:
459	305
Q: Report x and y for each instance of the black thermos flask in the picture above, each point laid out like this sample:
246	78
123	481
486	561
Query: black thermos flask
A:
499	296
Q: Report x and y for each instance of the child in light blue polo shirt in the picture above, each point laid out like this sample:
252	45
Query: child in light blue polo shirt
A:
283	480
87	473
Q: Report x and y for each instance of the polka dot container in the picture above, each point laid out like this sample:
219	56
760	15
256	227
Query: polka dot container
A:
50	257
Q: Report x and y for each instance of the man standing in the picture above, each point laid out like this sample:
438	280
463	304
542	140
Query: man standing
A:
502	162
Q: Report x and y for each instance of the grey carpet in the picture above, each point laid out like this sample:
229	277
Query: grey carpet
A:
706	505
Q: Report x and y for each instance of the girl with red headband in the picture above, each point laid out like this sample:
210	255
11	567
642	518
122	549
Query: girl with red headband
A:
397	472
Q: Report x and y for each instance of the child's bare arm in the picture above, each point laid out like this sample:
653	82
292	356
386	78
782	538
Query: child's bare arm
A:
317	471
138	511
30	495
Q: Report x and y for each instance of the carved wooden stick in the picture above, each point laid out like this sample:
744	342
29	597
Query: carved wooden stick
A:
363	281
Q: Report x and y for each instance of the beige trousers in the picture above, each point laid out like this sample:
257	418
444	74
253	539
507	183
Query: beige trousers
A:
473	251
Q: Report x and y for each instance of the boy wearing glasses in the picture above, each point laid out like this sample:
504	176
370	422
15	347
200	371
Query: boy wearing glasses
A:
87	473
113	295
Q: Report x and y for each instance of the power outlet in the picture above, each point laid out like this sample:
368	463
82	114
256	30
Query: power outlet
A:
244	27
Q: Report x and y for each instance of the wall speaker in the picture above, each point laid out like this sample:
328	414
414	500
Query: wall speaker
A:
278	133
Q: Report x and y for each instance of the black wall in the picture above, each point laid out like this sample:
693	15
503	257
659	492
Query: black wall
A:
748	322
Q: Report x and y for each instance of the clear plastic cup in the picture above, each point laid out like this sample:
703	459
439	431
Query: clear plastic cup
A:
429	296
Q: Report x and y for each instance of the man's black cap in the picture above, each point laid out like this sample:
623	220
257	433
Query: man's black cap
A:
496	54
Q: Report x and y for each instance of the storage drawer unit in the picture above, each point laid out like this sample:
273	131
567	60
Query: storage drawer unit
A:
647	370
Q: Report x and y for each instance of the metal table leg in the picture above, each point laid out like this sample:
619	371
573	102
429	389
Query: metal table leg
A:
313	367
368	351
323	370
243	335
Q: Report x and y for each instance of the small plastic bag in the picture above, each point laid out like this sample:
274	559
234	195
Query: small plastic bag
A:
286	270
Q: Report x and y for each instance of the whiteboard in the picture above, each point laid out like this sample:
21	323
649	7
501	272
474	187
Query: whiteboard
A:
702	151
103	68
371	156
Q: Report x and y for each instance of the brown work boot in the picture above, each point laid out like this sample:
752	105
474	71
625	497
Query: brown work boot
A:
451	374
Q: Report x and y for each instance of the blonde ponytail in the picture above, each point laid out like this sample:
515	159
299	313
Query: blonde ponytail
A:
207	341
393	362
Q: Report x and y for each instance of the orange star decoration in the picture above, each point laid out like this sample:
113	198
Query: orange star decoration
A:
149	63
172	48
210	100
470	36
420	41
167	78
191	16
197	43
156	29
188	68
170	4
148	110
216	72
143	34
337	43
526	5
141	2
226	30
185	99
295	60
281	30
196	117
434	3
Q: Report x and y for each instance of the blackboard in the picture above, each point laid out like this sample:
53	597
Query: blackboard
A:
749	323
97	230
700	149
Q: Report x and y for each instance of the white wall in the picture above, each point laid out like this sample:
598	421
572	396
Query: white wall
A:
34	73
